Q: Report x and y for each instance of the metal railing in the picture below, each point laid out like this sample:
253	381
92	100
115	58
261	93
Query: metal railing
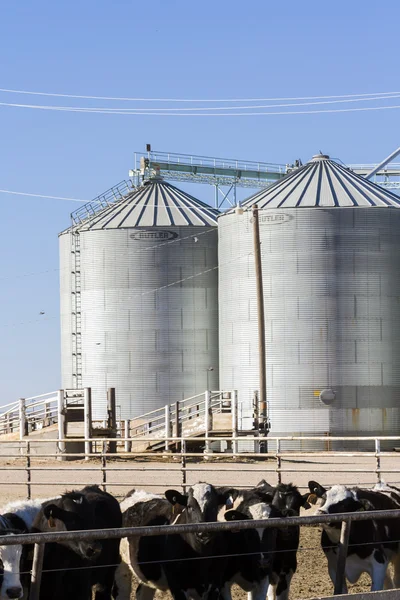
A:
346	519
114	194
183	468
28	414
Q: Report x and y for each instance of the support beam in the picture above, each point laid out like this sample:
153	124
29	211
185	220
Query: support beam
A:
387	160
61	423
87	411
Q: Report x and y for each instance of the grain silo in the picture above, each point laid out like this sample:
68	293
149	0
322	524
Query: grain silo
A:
139	300
330	244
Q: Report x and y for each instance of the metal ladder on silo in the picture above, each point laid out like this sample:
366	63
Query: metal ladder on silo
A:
76	309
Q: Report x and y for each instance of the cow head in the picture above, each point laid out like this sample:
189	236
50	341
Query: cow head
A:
12	561
262	540
71	512
10	557
288	499
338	499
199	505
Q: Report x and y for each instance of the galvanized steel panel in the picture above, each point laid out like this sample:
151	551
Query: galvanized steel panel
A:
332	304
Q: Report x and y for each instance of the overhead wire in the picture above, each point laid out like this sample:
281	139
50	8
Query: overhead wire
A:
133	110
140	112
141	99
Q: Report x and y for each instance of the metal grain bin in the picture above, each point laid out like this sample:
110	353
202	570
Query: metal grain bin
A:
330	243
148	300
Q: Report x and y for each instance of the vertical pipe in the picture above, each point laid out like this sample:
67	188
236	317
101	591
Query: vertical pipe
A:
278	460
37	568
183	464
22	422
260	315
61	423
167	428
234	421
28	470
342	555
207	420
128	444
177	428
87	411
104	466
112	418
378	460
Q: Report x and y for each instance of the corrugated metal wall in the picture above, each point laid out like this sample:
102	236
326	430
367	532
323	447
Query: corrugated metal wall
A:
332	302
153	347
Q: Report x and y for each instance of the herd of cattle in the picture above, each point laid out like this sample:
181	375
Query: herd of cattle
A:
200	565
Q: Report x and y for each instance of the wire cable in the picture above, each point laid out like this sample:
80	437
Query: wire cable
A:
140	112
140	99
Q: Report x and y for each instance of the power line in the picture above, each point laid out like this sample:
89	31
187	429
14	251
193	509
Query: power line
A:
125	99
144	112
42	196
133	110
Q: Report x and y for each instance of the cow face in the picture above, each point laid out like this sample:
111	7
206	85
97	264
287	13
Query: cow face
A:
10	557
288	500
71	512
337	499
199	505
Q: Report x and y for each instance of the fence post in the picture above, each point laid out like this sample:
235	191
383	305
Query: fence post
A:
87	411
28	470
37	568
128	445
234	421
342	555
104	466
112	418
278	460
22	421
177	426
207	420
183	464
61	423
167	427
378	459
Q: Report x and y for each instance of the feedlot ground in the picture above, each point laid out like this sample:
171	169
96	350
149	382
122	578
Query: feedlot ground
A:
155	475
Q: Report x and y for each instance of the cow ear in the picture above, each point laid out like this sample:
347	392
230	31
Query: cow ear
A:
76	497
175	497
265	497
235	515
316	489
365	505
51	512
226	498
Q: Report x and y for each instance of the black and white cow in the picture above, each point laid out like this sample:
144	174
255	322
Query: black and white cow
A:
288	500
63	576
178	563
372	544
252	550
16	517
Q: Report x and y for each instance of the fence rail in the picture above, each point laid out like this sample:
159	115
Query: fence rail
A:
40	539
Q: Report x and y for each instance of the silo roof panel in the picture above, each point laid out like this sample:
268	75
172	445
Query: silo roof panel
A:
323	183
154	204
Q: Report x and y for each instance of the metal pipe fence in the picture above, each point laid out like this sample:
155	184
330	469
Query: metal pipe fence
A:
182	467
346	519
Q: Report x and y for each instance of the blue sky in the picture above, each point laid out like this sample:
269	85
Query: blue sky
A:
173	49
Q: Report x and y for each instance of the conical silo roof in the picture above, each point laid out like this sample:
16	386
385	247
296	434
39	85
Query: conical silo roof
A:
155	203
323	183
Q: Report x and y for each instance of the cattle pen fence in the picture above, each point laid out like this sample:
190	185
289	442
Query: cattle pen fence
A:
30	466
40	539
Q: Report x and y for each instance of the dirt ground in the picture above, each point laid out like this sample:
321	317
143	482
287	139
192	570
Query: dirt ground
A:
50	477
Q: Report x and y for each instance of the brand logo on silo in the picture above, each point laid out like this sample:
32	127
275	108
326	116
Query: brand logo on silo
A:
273	218
157	235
